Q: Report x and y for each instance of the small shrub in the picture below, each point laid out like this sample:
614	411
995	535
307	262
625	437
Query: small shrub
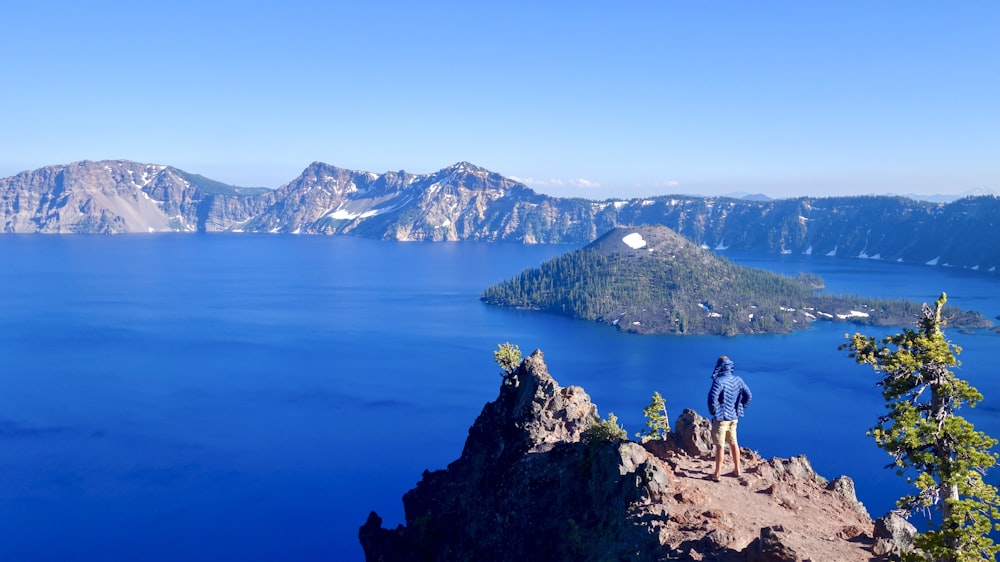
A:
604	431
508	357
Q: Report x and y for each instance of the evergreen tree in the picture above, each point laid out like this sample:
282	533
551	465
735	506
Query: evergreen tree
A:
940	452
657	423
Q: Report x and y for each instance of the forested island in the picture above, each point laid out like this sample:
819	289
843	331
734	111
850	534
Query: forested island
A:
651	280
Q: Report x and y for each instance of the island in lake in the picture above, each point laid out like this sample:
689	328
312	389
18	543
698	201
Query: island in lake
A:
651	280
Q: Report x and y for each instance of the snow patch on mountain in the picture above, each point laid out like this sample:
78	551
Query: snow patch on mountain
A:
344	214
634	241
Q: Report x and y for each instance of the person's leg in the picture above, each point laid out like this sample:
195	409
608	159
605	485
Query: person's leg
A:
720	448
734	447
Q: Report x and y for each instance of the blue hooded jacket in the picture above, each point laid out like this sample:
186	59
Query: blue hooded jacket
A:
729	395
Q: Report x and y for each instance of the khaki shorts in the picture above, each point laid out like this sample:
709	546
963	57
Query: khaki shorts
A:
724	432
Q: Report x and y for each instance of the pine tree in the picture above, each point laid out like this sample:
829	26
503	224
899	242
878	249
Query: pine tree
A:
657	423
940	453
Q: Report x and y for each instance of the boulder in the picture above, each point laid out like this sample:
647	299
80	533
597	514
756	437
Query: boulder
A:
693	434
893	536
769	547
843	486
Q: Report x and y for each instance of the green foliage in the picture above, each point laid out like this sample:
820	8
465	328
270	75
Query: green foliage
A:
508	357
657	423
697	292
686	290
940	453
604	431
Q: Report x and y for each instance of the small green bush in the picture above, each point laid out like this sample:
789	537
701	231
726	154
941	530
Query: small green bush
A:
604	431
508	357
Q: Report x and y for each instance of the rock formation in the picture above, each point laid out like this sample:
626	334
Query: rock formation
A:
527	488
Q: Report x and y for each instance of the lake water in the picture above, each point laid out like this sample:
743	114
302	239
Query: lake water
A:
214	397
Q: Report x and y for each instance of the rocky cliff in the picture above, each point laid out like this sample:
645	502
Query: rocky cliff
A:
527	488
466	202
120	196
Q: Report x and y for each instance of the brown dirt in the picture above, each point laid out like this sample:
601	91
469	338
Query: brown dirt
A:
817	524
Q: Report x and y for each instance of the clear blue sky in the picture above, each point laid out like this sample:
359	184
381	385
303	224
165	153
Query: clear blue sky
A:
590	99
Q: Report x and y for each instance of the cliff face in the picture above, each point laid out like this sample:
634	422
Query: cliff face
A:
526	488
83	197
120	196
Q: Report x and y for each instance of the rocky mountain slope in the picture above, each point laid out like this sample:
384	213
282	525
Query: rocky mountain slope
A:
120	196
466	202
526	488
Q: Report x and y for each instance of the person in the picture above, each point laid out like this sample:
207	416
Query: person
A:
727	400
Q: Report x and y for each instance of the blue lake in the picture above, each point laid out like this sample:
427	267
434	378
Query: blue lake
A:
207	397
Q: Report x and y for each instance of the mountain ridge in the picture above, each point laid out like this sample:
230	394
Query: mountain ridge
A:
466	202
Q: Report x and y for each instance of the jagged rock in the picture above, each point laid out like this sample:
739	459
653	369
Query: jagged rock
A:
844	487
693	434
795	467
769	547
531	416
717	540
893	536
850	532
527	488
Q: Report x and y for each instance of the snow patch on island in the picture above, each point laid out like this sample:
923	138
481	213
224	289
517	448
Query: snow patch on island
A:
634	241
853	314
